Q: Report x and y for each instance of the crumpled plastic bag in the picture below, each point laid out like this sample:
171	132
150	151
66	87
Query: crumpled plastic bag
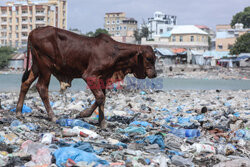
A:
132	129
142	123
77	155
25	109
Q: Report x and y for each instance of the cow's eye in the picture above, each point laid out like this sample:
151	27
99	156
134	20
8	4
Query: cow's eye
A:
149	59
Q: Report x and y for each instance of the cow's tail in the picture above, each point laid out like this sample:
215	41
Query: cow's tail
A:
27	71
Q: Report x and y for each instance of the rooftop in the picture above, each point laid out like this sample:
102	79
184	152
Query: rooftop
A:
187	29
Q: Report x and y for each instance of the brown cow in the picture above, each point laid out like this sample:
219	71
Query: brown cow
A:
67	55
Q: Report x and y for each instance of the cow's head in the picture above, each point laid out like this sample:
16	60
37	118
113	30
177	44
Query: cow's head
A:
145	63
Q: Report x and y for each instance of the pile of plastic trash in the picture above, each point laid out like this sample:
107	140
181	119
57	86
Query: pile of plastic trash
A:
144	128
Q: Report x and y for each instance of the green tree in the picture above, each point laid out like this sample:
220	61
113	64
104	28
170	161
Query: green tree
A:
143	33
99	31
242	17
137	36
90	34
242	45
75	30
5	54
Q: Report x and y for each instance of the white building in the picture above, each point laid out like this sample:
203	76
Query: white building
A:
160	24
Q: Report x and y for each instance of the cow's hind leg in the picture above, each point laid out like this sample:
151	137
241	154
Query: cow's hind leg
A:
24	89
42	88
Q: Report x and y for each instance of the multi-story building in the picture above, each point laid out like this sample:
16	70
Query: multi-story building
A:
183	36
226	36
18	18
161	24
118	25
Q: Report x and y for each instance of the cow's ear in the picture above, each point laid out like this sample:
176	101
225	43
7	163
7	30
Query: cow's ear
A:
140	59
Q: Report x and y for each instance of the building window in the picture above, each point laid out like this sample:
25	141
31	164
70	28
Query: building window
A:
113	29
17	20
192	38
161	31
108	29
173	39
113	22
17	35
117	28
117	21
120	27
203	39
220	46
181	38
30	27
10	28
124	27
117	33
107	22
10	19
16	27
24	11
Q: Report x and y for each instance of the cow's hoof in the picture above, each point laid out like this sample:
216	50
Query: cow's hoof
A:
19	116
103	124
86	113
53	119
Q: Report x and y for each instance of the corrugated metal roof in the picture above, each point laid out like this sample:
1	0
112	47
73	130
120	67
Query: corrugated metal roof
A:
167	34
180	50
216	54
187	29
224	34
165	52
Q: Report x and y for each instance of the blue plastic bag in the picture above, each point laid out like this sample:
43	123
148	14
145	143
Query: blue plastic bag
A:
77	155
142	123
25	109
133	129
156	139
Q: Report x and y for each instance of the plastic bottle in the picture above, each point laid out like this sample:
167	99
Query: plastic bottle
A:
74	122
47	138
186	132
66	132
91	133
243	133
64	122
15	123
80	123
227	149
201	148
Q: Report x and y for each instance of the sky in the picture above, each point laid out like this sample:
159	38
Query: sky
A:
88	15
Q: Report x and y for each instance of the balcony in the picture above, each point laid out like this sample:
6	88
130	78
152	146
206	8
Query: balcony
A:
4	23
40	14
25	14
25	22
24	37
3	37
3	30
25	29
3	15
40	22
